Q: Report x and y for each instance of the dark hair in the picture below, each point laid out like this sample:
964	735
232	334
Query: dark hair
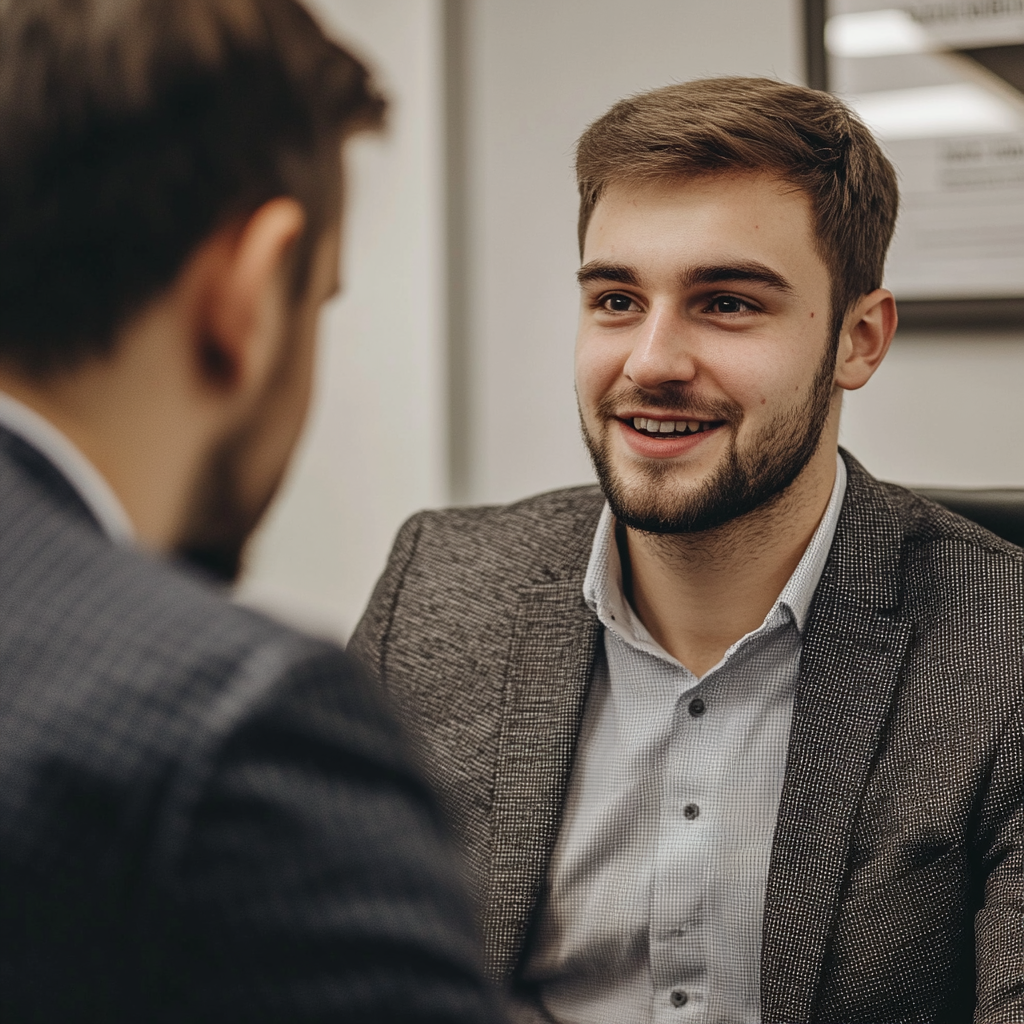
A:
719	125
130	130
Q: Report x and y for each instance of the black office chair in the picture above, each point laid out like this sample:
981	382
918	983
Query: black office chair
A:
1000	510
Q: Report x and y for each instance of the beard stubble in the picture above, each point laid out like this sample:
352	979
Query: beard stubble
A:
746	480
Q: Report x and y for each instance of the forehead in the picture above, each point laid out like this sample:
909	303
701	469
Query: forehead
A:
679	223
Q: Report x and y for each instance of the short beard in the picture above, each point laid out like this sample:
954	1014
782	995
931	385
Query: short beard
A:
220	525
746	481
224	512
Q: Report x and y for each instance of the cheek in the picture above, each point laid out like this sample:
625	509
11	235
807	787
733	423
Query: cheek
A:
766	375
278	423
599	366
305	371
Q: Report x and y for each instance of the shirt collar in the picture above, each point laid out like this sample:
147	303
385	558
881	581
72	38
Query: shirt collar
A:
798	593
602	585
80	473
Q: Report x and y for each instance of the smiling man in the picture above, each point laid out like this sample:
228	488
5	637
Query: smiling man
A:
737	735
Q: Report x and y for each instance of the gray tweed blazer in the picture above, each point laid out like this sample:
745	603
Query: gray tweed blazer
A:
205	817
896	884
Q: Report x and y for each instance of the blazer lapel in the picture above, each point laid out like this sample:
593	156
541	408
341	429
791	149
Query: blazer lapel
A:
853	651
554	641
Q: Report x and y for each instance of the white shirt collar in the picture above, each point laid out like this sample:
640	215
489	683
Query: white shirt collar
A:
602	586
79	472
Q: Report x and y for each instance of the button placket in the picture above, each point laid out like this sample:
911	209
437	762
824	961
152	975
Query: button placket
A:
678	946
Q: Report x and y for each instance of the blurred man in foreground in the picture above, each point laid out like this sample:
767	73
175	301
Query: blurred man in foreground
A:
737	736
203	815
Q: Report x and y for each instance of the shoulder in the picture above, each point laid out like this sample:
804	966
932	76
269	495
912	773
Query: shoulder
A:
538	537
961	585
162	748
118	672
478	557
920	522
453	574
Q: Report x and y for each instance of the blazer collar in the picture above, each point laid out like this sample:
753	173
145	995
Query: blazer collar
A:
553	644
28	462
853	650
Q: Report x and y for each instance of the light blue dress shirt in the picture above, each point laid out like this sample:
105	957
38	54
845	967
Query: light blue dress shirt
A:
655	899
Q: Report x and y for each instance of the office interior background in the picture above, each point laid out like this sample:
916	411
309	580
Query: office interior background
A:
446	365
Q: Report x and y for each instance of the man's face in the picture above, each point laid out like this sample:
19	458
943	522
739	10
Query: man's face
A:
245	471
704	366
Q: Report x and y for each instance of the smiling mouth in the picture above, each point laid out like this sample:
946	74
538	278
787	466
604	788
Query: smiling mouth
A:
671	428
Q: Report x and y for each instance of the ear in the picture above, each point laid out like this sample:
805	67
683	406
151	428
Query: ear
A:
247	298
864	340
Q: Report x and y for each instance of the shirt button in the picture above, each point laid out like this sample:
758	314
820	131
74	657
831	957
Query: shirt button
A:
679	997
690	811
697	707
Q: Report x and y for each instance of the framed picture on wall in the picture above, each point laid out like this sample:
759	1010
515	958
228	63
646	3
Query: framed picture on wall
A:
941	84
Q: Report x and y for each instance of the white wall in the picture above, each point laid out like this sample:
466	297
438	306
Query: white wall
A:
375	448
943	410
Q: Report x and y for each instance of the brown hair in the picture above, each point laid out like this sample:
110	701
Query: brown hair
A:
718	125
132	129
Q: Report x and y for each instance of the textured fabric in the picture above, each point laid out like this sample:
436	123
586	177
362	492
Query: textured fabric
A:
655	895
90	485
204	816
897	865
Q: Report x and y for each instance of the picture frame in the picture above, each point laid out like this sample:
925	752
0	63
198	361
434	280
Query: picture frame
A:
964	184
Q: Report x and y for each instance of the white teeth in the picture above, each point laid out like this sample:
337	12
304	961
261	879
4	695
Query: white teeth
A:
666	426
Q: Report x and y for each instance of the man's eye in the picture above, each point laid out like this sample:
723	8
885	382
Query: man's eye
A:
618	304
728	304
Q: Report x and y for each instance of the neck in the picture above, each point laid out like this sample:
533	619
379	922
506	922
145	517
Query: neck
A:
141	439
698	594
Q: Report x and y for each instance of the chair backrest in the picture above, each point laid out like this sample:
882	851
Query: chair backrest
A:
1000	510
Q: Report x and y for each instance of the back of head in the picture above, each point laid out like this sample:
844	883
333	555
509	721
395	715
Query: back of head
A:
727	125
132	129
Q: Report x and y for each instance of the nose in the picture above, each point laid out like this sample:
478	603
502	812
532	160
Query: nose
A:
662	352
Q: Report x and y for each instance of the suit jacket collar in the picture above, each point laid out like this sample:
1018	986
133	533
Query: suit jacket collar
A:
17	455
63	455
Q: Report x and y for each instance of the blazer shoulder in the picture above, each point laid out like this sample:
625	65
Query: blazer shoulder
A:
189	791
919	520
926	522
897	549
445	559
543	537
120	669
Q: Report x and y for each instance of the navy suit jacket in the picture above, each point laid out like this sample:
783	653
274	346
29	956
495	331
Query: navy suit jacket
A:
204	816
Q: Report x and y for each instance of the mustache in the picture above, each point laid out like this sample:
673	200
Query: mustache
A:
671	396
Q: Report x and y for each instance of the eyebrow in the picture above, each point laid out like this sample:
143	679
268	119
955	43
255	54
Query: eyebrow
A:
759	273
607	272
753	271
